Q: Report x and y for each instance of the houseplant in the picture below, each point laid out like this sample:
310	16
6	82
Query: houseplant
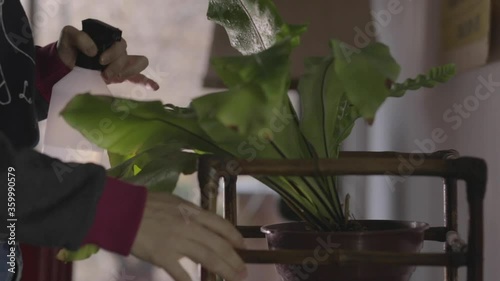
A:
152	144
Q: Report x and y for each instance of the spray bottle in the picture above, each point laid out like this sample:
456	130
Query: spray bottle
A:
61	140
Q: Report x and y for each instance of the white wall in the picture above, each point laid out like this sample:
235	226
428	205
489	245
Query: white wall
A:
413	35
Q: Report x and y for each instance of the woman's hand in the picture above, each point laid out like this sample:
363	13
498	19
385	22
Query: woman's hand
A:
120	66
173	228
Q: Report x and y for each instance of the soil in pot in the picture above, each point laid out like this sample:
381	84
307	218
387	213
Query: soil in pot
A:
379	235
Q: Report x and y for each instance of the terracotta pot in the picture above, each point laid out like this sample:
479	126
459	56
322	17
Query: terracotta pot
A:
380	235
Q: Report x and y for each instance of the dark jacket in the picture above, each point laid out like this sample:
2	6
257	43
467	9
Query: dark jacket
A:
55	202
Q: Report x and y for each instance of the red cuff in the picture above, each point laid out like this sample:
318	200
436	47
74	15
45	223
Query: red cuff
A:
49	69
118	217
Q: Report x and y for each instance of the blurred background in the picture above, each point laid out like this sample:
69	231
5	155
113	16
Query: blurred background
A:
179	41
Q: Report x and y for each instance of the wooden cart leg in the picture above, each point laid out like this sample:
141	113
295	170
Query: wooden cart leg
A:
450	210
475	244
208	179
230	203
451	221
476	189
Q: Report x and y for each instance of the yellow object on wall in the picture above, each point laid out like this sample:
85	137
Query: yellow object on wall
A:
465	33
465	22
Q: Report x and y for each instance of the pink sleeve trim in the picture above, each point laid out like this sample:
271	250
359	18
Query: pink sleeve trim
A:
118	217
49	69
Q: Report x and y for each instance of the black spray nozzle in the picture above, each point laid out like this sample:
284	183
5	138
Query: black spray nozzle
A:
104	36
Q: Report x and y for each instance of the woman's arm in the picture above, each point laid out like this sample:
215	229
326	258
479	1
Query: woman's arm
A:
120	206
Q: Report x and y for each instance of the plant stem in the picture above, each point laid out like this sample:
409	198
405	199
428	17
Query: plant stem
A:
313	155
320	199
291	201
346	206
330	190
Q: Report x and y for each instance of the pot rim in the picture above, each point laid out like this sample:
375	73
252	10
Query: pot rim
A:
420	227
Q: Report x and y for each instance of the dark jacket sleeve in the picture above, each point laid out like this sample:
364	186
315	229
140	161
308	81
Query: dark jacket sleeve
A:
120	208
55	202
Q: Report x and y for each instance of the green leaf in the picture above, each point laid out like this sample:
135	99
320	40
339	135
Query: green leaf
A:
82	253
128	127
136	170
325	119
116	158
364	74
346	118
158	168
257	85
433	77
252	25
292	32
320	91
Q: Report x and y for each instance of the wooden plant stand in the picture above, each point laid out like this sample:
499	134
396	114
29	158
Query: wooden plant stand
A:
445	164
